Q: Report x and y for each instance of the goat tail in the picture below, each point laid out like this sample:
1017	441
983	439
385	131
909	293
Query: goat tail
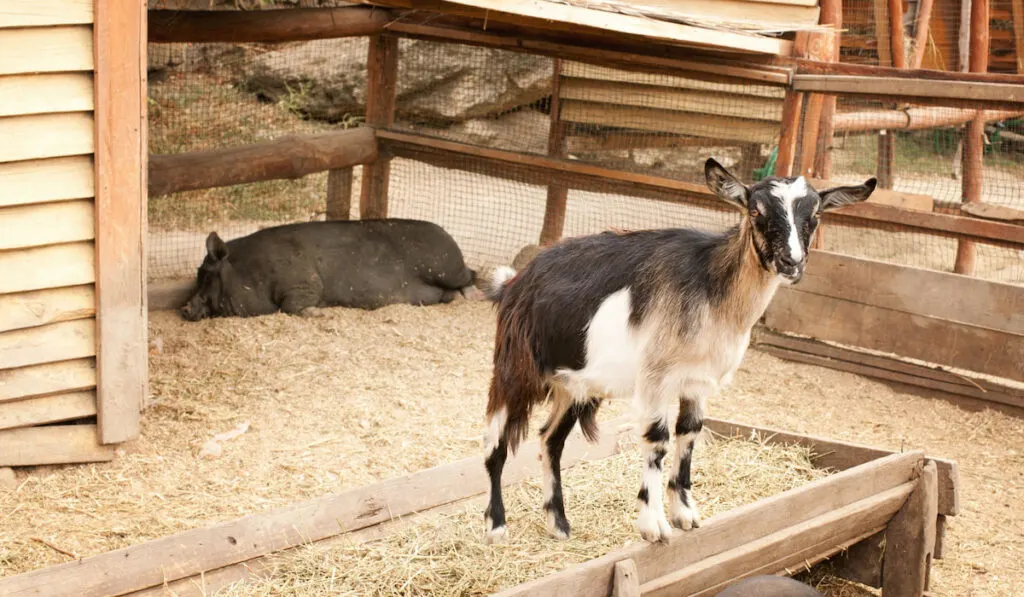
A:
495	288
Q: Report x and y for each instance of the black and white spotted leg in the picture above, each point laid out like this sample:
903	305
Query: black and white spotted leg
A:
689	424
651	522
553	436
496	452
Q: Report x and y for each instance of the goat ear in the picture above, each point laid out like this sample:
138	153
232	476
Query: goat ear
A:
840	196
725	185
216	248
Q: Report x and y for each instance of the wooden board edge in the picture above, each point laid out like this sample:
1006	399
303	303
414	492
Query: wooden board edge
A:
54	444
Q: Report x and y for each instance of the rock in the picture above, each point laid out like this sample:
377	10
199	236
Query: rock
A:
437	83
523	130
7	479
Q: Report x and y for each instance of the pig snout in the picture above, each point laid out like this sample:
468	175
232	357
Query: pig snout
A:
194	310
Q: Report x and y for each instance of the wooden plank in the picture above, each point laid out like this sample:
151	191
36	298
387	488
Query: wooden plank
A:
626	582
48	409
592	72
814	67
381	90
1002	93
65	376
287	157
896	33
730	529
47	267
339	194
881	20
785	549
121	314
167	559
45	93
962	299
57	444
991	211
789	133
910	540
667	98
38	181
45	50
42	307
840	456
916	336
264	26
38	13
46	224
683	123
922	30
46	136
782	15
49	343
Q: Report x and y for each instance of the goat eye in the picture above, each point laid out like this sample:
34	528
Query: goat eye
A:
754	213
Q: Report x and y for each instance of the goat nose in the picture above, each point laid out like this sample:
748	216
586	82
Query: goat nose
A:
788	260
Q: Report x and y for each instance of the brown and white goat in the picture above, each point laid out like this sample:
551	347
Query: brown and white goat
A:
663	316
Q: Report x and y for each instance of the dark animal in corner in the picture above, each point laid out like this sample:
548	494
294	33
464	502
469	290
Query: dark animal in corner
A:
660	316
300	268
769	586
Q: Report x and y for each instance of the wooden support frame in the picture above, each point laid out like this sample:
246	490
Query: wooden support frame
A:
120	204
339	193
823	518
264	26
558	193
381	85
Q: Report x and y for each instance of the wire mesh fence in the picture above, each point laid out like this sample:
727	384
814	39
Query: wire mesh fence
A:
206	96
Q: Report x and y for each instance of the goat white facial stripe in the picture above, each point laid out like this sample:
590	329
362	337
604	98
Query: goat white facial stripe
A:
789	193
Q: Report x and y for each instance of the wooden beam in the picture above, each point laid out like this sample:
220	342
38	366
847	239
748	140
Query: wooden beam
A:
558	193
885	159
980	94
164	560
910	539
913	119
381	86
64	376
45	93
46	344
46	50
882	33
790	133
46	136
48	409
832	15
896	34
731	529
291	156
264	26
55	444
974	134
29	13
339	194
813	67
42	307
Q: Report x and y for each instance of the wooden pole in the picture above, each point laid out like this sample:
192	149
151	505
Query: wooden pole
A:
1017	14
892	24
910	539
899	42
922	31
294	24
974	135
913	119
831	14
288	157
791	109
382	79
339	193
558	193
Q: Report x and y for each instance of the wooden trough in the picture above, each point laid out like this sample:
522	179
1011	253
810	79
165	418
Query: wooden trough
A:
876	495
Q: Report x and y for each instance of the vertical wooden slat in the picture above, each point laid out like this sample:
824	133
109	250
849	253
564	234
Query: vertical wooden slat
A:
339	194
791	108
974	134
381	83
922	31
1017	9
558	194
831	13
121	367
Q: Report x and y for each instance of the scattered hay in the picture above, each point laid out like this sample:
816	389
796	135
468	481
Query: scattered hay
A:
445	554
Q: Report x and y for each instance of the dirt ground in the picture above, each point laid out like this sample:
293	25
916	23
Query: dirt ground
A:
319	399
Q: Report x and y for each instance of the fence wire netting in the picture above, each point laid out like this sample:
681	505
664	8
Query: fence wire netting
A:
207	96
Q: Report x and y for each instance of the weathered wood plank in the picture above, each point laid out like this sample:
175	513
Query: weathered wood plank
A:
294	24
46	50
39	13
57	444
64	376
930	339
45	93
46	224
886	196
39	181
48	409
46	344
54	266
121	193
41	307
593	72
184	554
627	582
46	136
910	540
999	93
339	194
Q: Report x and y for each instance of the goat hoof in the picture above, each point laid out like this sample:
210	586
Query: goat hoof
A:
654	529
686	518
558	528
495	536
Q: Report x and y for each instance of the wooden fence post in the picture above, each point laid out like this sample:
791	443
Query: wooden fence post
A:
974	134
558	193
910	539
339	193
381	83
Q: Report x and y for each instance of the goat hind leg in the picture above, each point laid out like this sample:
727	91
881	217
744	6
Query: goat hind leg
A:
564	416
496	450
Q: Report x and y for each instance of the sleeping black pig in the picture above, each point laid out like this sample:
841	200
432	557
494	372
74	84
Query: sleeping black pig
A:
298	268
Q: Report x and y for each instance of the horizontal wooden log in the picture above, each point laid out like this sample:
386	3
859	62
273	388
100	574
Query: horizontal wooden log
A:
913	119
48	409
266	26
41	307
54	266
49	343
64	376
39	181
46	136
46	50
871	85
987	351
731	529
156	562
815	67
46	93
47	224
36	13
56	444
538	169
287	157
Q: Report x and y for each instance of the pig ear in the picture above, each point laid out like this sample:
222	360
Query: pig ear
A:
215	247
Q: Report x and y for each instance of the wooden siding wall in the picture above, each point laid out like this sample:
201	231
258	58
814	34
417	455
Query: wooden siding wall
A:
48	244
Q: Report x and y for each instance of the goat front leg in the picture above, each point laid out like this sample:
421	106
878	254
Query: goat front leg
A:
651	522
689	424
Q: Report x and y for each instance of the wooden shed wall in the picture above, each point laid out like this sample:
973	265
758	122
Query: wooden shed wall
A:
53	236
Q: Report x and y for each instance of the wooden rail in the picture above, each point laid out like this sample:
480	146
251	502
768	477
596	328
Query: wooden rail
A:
1002	95
287	157
292	24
